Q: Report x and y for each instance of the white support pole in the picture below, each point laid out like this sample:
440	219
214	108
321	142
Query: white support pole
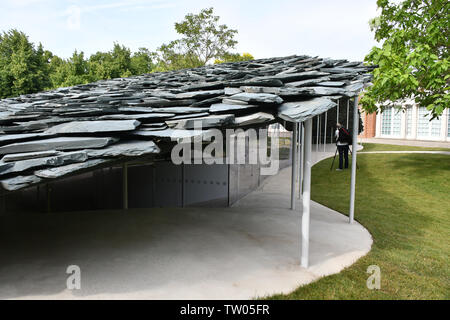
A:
348	111
125	185
306	195
317	137
294	164
301	159
299	149
337	111
325	132
354	147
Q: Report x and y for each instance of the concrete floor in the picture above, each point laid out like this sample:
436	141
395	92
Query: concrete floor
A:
405	142
246	251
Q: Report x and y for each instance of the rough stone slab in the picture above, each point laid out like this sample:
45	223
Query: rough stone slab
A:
188	116
136	116
183	110
327	91
8	138
331	84
223	107
60	143
257	98
19	182
206	122
231	91
28	155
256	118
57	172
126	148
199	94
304	110
57	160
95	126
173	134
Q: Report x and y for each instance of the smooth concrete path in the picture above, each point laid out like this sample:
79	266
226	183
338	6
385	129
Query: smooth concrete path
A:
249	250
406	142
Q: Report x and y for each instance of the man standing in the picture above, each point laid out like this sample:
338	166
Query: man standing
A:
343	139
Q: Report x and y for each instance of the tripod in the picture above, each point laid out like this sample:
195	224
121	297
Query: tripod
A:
357	167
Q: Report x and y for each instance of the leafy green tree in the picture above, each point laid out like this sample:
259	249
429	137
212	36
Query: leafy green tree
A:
413	59
235	57
23	68
113	64
142	61
203	39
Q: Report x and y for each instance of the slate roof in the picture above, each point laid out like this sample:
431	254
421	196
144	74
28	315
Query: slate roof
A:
52	134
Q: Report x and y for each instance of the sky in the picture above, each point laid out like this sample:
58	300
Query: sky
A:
267	28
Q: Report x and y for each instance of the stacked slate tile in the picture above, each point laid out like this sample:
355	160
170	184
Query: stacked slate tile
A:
53	134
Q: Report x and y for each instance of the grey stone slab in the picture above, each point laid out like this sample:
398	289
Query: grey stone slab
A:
223	107
199	94
95	126
126	148
19	182
212	121
173	134
188	116
327	91
256	118
28	155
304	110
57	160
136	109
290	77
137	116
52	173
266	98
183	110
231	91
60	143
8	138
331	84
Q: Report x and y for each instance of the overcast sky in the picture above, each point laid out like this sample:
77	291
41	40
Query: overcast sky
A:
267	28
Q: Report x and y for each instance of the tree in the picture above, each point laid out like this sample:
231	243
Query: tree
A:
235	57
203	39
23	68
142	61
413	61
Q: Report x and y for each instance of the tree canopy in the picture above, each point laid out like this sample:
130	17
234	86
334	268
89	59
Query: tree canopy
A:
26	68
203	39
23	68
413	59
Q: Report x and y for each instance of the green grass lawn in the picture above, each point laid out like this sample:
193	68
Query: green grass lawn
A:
404	202
391	147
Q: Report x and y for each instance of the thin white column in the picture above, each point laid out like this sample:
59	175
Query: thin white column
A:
301	159
348	111
337	111
125	185
354	146
317	133
306	195
294	164
325	132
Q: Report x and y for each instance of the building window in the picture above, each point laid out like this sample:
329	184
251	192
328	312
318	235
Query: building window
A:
391	122
423	122
386	118
425	127
408	121
448	121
